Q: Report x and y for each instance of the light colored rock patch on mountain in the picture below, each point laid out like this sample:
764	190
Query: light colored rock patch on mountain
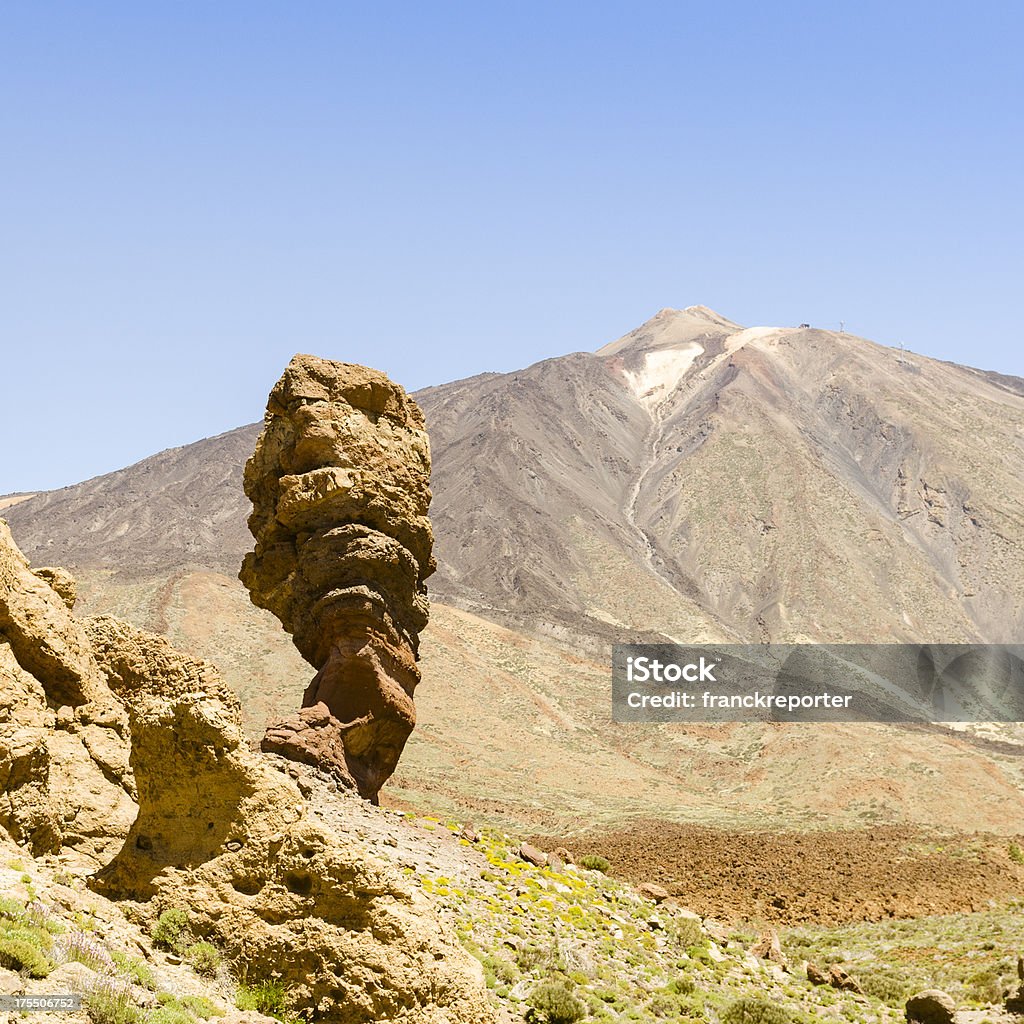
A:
661	371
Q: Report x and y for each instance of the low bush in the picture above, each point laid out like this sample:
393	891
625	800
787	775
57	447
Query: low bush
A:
172	1013
886	985
11	908
267	997
593	862
171	931
136	970
756	1010
204	958
202	1007
553	1002
21	954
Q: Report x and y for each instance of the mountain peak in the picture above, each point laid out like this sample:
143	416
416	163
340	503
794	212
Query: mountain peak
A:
671	328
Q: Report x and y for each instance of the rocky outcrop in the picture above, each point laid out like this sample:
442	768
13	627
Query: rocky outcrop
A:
227	834
95	712
65	783
339	484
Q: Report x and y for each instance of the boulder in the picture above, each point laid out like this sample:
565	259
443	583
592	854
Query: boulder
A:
816	976
931	1007
538	858
652	891
838	978
339	483
769	948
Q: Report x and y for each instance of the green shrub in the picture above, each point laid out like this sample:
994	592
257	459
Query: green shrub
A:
593	862
554	1003
1016	854
11	908
666	1004
138	971
18	953
688	932
886	985
172	1013
682	986
171	931
204	958
543	959
267	997
985	987
202	1007
756	1010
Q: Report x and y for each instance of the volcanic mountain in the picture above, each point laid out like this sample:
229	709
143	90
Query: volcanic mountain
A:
693	480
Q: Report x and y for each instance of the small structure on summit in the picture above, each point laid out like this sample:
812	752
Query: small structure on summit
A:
340	487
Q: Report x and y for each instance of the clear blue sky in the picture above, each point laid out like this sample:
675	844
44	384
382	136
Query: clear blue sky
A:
192	192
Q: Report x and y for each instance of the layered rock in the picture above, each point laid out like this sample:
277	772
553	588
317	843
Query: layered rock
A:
339	484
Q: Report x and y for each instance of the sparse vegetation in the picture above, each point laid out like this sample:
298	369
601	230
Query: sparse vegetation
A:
267	997
111	1003
1016	854
136	970
85	948
757	1010
594	862
204	958
171	931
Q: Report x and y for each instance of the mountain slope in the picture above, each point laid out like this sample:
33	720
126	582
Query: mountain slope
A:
693	479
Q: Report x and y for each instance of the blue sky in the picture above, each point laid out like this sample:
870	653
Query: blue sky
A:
192	192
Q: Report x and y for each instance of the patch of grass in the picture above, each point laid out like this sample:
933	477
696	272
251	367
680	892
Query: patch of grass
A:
172	1013
267	997
986	986
886	985
204	958
1016	854
202	1007
171	931
594	862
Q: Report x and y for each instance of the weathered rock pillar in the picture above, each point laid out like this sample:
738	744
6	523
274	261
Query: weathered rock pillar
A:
340	486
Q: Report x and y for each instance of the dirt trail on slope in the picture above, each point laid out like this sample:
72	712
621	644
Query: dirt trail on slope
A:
827	877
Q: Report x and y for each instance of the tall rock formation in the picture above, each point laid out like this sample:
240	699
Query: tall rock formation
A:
339	484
